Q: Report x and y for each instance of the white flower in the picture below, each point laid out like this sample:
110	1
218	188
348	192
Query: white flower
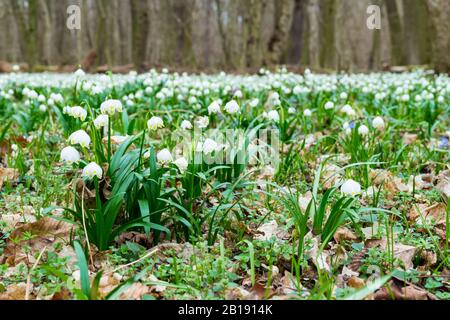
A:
238	94
70	155
232	107
404	98
79	73
77	112
441	99
43	107
378	123
214	107
186	125
164	156
273	115
351	187
92	170
181	163
209	146
111	107
291	110
347	109
202	122
155	123
363	130
254	103
370	192
307	113
80	137
41	98
344	95
101	121
329	105
16	68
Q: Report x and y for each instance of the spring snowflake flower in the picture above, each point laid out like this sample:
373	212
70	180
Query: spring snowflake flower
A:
351	187
343	95
43	107
101	121
181	163
77	112
186	125
214	108
232	107
291	110
378	123
329	105
254	103
70	155
209	146
238	94
155	123
164	156
273	115
92	170
307	113
363	130
79	73
202	122
111	107
80	137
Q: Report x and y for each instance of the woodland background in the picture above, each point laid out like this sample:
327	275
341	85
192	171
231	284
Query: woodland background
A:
224	34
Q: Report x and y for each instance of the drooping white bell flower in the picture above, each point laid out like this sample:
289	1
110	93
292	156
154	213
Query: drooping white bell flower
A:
209	146
70	155
77	112
164	156
329	105
214	108
92	170
181	163
351	187
291	110
202	122
111	106
186	125
79	73
378	123
101	121
273	115
363	130
155	123
307	113
232	107
80	137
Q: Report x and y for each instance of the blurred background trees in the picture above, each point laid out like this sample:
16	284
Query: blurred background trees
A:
225	34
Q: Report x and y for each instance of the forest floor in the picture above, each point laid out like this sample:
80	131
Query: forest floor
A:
268	186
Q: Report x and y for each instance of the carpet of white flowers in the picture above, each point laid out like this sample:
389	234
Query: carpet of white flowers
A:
268	186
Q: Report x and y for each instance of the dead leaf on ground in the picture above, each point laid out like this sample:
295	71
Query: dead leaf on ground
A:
356	282
391	183
270	229
40	234
435	213
409	138
395	291
344	234
135	292
404	253
15	292
237	293
8	174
